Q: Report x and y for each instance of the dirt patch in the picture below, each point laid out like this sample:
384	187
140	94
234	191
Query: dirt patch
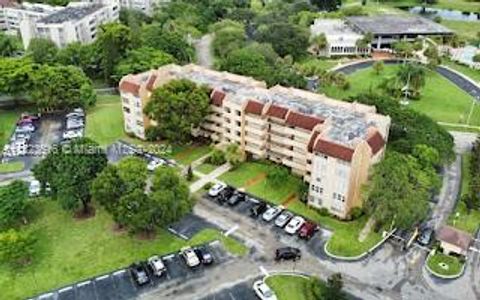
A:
146	235
118	229
253	181
82	214
289	199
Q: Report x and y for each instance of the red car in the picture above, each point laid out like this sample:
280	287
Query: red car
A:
307	230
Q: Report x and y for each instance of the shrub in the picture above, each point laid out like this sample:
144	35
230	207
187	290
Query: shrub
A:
356	213
324	212
217	158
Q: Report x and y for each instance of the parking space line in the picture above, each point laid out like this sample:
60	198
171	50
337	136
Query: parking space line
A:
65	289
44	296
231	230
264	271
119	272
102	277
169	257
83	283
214	243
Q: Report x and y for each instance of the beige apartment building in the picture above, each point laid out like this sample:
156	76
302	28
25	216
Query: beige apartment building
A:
330	143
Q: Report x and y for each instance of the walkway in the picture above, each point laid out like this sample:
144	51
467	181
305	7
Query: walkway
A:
212	176
204	53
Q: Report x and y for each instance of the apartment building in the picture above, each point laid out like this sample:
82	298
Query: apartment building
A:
78	22
12	13
331	144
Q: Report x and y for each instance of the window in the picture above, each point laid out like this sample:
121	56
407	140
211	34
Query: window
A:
126	109
140	123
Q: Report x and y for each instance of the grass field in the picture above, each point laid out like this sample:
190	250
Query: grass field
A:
70	250
465	29
252	177
461	218
7	124
206	168
11	166
289	287
463	5
444	264
440	99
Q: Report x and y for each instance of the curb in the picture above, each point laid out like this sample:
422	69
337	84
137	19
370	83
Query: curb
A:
362	255
445	277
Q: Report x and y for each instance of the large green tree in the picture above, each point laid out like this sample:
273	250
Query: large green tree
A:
13	203
15	76
84	56
178	106
327	5
286	38
157	37
141	60
42	51
113	42
70	170
228	39
9	45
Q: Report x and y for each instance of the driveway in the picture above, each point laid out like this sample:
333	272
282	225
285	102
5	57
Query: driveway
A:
204	51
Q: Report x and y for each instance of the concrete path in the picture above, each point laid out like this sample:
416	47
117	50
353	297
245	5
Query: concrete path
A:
204	52
197	185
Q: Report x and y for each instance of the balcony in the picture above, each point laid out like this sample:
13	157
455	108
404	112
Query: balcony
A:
258	133
255	121
214	118
255	150
212	127
294	164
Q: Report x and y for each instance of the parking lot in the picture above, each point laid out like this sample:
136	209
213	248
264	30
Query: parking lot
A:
120	285
189	226
240	291
314	245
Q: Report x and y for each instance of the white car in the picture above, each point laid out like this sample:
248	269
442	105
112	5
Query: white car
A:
190	257
155	163
71	134
216	189
34	188
294	225
262	291
157	265
272	213
283	218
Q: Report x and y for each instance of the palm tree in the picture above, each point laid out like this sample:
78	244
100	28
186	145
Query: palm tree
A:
412	76
319	42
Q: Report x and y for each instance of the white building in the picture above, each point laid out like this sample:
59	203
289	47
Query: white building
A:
146	6
77	22
341	39
11	15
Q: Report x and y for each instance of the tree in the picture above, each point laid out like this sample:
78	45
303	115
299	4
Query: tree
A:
113	42
319	42
70	170
403	198
246	62
365	41
42	51
403	49
426	155
178	106
277	176
228	39
141	60
16	247
172	43
234	155
286	38
327	5
476	58
133	172
15	76
9	45
13	203
86	57
61	87
412	76
189	176
135	211
433	56
108	188
378	67
217	157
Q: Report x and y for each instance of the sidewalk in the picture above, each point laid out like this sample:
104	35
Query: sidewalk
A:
197	185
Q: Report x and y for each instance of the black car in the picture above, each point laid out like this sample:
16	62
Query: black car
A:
236	198
287	253
139	273
225	194
425	237
204	255
258	209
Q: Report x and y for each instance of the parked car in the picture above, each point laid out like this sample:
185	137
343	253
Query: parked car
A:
262	291
31	117
26	121
25	128
307	230
272	213
283	218
225	194
155	163
157	266
139	273
21	136
71	134
425	236
74	124
216	189
287	253
236	198
258	209
294	225
189	256
204	255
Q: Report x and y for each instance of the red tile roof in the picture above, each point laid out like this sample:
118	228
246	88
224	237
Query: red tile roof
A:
302	121
334	150
277	111
217	97
6	3
312	141
376	142
151	82
455	237
129	87
254	107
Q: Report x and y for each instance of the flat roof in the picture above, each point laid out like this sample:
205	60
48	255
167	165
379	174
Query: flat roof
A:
336	31
397	24
70	14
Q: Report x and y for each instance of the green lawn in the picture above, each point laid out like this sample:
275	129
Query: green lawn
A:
289	287
7	124
463	5
319	63
12	167
465	29
440	99
70	250
252	176
188	153
473	74
444	264
461	218
206	168
105	120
